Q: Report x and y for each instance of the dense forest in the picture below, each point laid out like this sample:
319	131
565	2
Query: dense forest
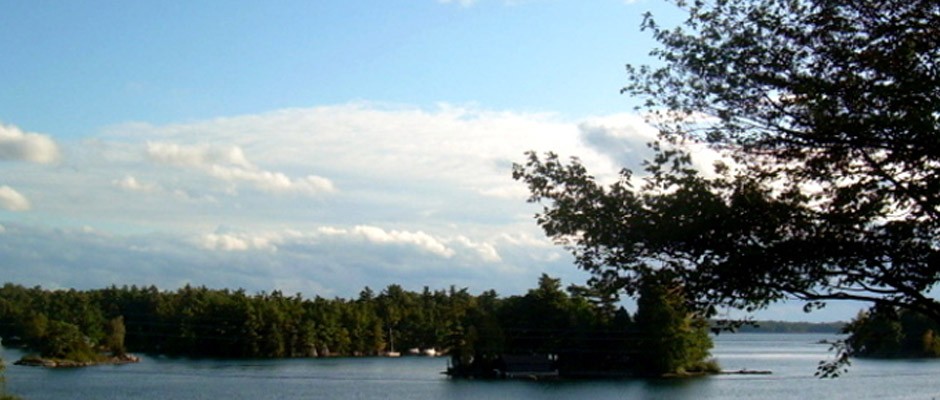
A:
890	332
202	322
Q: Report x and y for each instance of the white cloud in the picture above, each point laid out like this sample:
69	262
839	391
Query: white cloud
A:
450	146
198	156
16	145
228	240
417	239
230	164
485	251
237	242
446	247
421	186
131	183
312	262
12	200
526	240
424	190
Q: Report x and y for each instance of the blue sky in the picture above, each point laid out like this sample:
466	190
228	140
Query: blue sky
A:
308	146
96	63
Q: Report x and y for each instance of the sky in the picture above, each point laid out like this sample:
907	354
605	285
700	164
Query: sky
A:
312	147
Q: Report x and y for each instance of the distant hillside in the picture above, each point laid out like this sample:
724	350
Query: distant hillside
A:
793	327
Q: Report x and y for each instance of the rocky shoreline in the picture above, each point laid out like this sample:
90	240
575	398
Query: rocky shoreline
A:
33	361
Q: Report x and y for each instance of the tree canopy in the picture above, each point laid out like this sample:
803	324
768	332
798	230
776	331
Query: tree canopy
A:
827	115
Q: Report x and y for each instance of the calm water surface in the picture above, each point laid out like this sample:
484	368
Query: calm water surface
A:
791	357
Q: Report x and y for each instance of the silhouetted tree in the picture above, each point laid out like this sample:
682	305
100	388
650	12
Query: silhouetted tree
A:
828	116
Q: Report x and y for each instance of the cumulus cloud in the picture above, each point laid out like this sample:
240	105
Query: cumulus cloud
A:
230	164
12	200
420	240
16	145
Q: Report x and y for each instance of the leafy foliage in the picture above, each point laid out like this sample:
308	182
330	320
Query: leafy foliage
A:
828	116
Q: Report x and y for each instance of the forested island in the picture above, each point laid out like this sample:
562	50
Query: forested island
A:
890	332
572	331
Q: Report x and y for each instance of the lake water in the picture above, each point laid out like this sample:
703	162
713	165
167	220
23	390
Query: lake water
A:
791	357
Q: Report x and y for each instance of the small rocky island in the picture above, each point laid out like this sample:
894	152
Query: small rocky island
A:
62	344
35	361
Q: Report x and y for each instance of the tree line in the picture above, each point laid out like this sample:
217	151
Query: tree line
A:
203	322
792	327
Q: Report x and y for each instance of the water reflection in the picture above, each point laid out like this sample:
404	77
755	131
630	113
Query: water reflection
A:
792	358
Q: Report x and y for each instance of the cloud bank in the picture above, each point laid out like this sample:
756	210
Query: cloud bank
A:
322	200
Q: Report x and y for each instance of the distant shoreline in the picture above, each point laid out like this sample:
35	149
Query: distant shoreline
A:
771	326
